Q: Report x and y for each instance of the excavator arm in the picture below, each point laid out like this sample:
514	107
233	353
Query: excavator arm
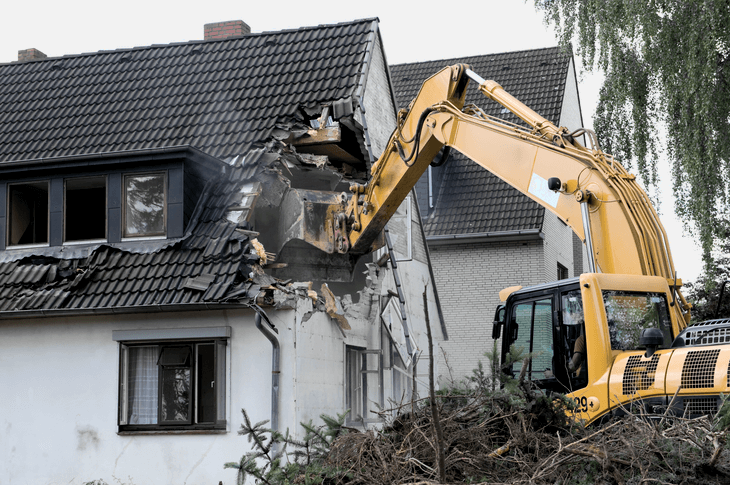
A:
584	187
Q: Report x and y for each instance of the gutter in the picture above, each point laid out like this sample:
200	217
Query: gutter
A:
112	157
73	312
269	332
495	236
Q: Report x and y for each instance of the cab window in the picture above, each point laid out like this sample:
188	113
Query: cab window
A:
628	313
534	337
573	338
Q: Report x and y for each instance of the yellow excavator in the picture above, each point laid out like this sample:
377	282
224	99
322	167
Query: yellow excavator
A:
615	338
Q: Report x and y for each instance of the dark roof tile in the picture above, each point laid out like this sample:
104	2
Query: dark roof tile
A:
470	200
165	95
221	97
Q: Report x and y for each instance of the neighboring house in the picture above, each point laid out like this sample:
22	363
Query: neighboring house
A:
142	194
484	235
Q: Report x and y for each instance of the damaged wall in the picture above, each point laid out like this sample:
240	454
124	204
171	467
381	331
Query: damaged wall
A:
64	370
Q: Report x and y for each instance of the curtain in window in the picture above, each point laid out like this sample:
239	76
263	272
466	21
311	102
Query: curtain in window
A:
143	375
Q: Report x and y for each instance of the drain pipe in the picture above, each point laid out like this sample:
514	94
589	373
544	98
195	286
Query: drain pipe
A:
268	331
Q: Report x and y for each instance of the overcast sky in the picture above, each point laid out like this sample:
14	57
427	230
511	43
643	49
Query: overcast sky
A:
411	31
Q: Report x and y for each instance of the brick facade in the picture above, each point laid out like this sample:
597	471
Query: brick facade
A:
469	278
223	30
30	55
558	246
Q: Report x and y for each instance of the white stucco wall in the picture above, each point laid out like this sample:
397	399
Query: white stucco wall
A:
380	113
58	414
570	112
61	378
377	99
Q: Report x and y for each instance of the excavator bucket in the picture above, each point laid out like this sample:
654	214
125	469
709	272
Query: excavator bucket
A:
312	237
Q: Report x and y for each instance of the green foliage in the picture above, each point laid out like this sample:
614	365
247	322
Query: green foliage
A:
512	394
722	418
666	62
270	463
704	293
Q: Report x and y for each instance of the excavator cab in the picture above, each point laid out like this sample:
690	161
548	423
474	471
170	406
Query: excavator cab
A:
545	326
603	340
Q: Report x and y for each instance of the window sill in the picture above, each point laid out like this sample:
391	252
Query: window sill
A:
28	246
84	241
144	238
171	431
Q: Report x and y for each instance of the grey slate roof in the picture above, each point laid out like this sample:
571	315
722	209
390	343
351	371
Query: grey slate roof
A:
218	96
468	199
221	97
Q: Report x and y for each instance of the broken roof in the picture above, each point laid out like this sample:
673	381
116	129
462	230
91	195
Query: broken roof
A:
232	99
470	200
220	96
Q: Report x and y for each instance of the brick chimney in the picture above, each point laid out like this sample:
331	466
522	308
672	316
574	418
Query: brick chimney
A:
223	30
30	55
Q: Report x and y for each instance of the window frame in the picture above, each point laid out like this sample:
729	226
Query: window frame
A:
358	415
156	235
533	302
562	272
105	178
218	336
8	214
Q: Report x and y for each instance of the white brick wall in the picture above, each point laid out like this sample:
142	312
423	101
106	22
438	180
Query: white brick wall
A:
558	246
469	278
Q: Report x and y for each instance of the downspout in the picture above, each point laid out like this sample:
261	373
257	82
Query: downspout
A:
268	331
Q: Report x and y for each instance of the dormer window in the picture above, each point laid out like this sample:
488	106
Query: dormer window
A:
85	209
116	199
144	205
28	213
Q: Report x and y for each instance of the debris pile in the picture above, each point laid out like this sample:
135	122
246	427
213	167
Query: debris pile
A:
495	439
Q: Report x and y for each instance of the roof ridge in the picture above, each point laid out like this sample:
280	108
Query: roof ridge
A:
192	42
447	60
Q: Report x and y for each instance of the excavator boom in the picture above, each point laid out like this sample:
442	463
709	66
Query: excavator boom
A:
592	192
586	188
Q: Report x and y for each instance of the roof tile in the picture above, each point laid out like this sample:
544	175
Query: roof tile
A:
468	198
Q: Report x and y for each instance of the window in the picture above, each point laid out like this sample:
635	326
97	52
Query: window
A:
574	340
144	205
400	377
628	313
363	383
84	209
172	385
562	272
535	336
28	213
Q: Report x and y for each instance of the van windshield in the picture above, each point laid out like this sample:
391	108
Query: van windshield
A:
629	313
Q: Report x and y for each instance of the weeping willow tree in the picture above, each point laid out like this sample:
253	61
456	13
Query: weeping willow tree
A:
666	65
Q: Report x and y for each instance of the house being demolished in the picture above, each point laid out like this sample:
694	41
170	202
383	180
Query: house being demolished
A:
152	282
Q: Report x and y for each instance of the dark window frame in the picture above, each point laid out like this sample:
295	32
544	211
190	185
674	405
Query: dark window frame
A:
219	423
165	195
9	214
562	272
105	178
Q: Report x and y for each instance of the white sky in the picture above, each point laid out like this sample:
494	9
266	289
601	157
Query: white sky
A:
411	32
